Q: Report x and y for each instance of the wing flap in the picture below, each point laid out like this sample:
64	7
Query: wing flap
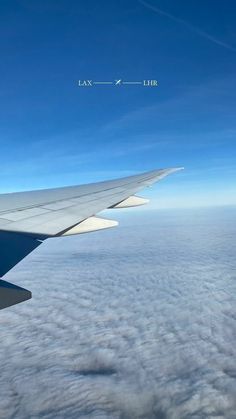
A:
91	224
132	201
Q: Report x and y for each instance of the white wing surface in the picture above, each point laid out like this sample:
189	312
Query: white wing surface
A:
28	218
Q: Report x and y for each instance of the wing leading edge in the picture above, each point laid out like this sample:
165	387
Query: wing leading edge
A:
28	218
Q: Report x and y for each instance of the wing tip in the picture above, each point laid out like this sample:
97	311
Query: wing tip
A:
175	169
167	171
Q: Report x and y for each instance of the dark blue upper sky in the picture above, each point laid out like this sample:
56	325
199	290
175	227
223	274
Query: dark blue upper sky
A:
54	133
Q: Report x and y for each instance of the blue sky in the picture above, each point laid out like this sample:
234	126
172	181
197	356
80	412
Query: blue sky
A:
54	133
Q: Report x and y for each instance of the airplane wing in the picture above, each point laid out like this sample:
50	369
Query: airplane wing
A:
29	218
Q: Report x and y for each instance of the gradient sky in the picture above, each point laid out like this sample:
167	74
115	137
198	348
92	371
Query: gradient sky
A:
54	133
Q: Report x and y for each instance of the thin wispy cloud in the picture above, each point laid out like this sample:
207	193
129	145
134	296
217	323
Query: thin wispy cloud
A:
188	25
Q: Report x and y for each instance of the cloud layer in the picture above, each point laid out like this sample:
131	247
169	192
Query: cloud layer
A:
138	322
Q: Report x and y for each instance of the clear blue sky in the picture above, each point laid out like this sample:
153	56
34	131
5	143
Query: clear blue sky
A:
53	133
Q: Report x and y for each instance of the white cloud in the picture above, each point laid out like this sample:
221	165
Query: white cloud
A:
138	322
